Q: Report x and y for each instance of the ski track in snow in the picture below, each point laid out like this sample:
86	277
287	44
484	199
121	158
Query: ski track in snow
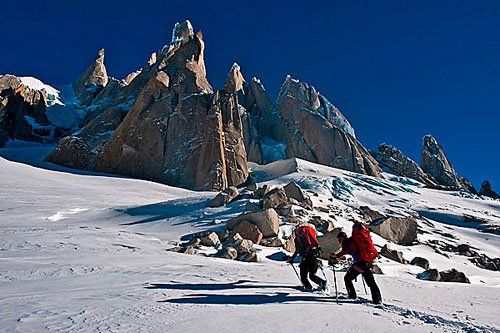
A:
82	252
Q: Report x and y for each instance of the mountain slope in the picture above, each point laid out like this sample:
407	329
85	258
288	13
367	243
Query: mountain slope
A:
85	252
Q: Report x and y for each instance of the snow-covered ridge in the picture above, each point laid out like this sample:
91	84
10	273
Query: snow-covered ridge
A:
36	84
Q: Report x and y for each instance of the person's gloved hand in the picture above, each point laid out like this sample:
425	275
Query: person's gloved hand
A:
333	260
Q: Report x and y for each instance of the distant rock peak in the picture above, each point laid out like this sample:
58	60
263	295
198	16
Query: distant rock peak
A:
235	80
435	163
182	31
301	91
91	82
488	191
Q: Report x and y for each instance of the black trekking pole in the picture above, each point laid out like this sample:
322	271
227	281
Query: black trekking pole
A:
363	279
296	273
335	282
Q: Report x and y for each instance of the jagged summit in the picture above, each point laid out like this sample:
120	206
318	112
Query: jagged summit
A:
235	80
165	122
488	191
90	83
402	165
182	31
435	163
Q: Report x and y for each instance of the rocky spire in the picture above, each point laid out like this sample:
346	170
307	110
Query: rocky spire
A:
487	190
90	83
234	81
435	163
402	165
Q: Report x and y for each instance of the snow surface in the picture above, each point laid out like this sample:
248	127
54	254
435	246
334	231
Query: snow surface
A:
86	252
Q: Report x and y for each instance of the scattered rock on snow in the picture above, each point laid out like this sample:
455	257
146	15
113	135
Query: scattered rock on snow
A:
453	275
399	230
294	191
387	252
224	197
249	231
419	261
210	239
271	242
249	257
266	219
240	244
275	198
285	211
252	206
227	253
430	275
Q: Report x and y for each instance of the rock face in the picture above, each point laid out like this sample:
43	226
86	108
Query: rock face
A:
399	230
487	190
176	132
267	220
402	165
23	110
91	82
106	112
435	163
314	130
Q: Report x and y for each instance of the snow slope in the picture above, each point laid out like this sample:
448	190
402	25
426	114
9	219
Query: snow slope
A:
86	252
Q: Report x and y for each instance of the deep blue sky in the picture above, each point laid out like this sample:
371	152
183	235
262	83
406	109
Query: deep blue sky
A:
397	69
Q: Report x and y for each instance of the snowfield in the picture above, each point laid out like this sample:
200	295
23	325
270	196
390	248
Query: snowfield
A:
87	252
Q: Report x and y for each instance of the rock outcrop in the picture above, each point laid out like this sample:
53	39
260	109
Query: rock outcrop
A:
267	220
23	106
402	165
487	190
399	230
91	82
435	163
314	130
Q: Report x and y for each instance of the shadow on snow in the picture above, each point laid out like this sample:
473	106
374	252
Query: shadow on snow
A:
193	209
239	299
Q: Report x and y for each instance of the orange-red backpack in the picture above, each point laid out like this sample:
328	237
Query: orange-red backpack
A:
363	241
306	239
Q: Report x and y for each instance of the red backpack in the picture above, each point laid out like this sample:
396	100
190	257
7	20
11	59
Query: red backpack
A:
305	239
363	240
